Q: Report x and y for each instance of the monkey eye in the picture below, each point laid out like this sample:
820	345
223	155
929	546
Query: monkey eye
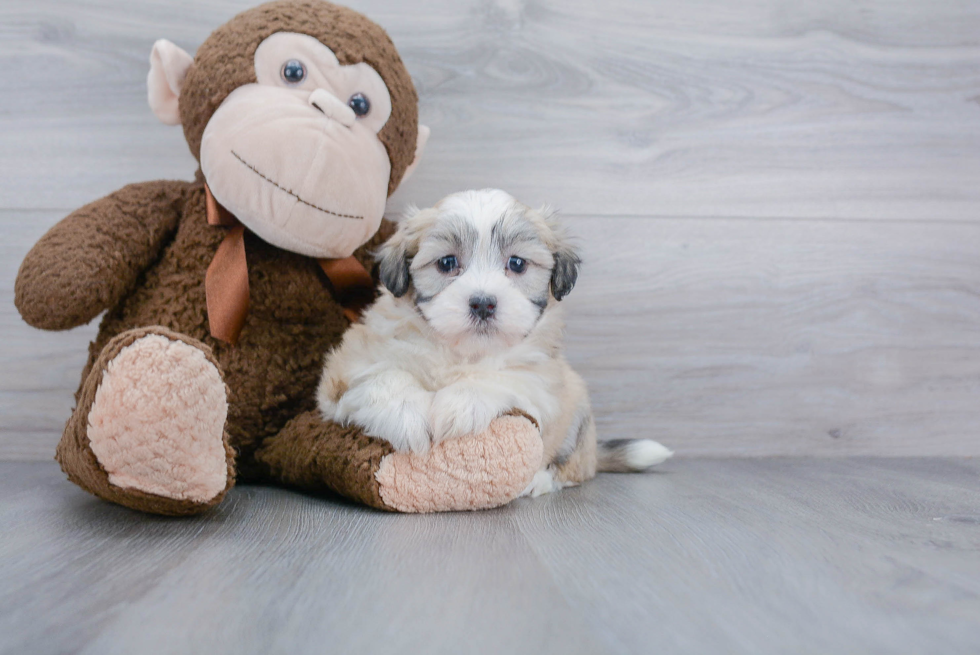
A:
447	264
517	265
360	104
293	72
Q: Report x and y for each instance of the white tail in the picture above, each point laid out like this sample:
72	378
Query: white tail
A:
627	455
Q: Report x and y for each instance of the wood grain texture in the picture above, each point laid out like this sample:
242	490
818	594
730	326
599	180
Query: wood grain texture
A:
658	107
771	556
741	337
708	556
778	201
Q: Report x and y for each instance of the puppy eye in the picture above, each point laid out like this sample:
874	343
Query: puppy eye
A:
517	265
293	72
447	263
360	104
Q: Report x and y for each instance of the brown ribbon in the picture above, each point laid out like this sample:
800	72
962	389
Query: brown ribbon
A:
226	282
352	284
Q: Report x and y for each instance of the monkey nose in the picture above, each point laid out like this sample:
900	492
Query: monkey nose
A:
332	107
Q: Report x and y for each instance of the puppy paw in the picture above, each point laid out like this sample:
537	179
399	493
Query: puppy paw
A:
459	410
402	422
542	483
413	433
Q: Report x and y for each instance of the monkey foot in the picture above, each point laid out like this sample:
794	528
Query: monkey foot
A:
148	432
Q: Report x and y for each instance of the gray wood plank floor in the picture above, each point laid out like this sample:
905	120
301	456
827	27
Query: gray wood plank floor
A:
708	556
778	201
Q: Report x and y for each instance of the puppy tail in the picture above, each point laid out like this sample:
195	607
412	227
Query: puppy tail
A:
628	455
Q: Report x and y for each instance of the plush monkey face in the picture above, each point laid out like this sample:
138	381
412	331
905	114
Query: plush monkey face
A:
296	154
305	147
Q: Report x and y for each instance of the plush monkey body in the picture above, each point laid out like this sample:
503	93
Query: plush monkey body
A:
166	413
293	315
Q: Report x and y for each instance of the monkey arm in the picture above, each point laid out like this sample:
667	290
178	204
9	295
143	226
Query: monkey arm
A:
89	260
472	472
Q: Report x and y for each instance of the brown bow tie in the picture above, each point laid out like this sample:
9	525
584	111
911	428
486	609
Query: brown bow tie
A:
226	282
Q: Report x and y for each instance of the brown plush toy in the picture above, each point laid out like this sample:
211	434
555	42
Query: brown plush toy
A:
222	295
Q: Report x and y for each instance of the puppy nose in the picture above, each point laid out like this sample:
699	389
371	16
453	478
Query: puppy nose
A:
332	107
483	306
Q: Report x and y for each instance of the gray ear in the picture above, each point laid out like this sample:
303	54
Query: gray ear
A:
393	263
565	272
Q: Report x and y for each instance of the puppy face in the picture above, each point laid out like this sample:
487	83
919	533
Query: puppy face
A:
479	266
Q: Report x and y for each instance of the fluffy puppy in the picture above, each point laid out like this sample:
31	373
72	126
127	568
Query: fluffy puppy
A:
468	327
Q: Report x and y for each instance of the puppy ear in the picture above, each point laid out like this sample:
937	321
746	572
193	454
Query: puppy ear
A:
565	272
567	260
393	264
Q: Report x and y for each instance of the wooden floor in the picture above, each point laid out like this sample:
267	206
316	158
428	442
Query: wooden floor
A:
779	207
708	556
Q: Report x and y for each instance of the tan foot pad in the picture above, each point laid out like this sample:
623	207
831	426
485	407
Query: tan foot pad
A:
158	419
476	472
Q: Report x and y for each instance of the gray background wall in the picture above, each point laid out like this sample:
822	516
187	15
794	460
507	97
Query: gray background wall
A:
778	203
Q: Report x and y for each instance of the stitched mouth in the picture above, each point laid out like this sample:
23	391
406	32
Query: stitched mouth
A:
292	193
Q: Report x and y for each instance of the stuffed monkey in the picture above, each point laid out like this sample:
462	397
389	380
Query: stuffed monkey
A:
222	295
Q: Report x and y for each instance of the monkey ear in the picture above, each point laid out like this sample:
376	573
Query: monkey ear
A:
419	147
168	70
393	265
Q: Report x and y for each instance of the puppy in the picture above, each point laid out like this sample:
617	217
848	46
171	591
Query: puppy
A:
468	328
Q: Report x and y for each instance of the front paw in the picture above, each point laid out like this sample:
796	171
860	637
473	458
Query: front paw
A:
402	422
459	410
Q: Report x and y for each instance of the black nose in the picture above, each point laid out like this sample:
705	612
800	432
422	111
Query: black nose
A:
483	306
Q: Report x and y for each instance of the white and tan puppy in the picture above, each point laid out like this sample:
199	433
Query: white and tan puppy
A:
468	327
